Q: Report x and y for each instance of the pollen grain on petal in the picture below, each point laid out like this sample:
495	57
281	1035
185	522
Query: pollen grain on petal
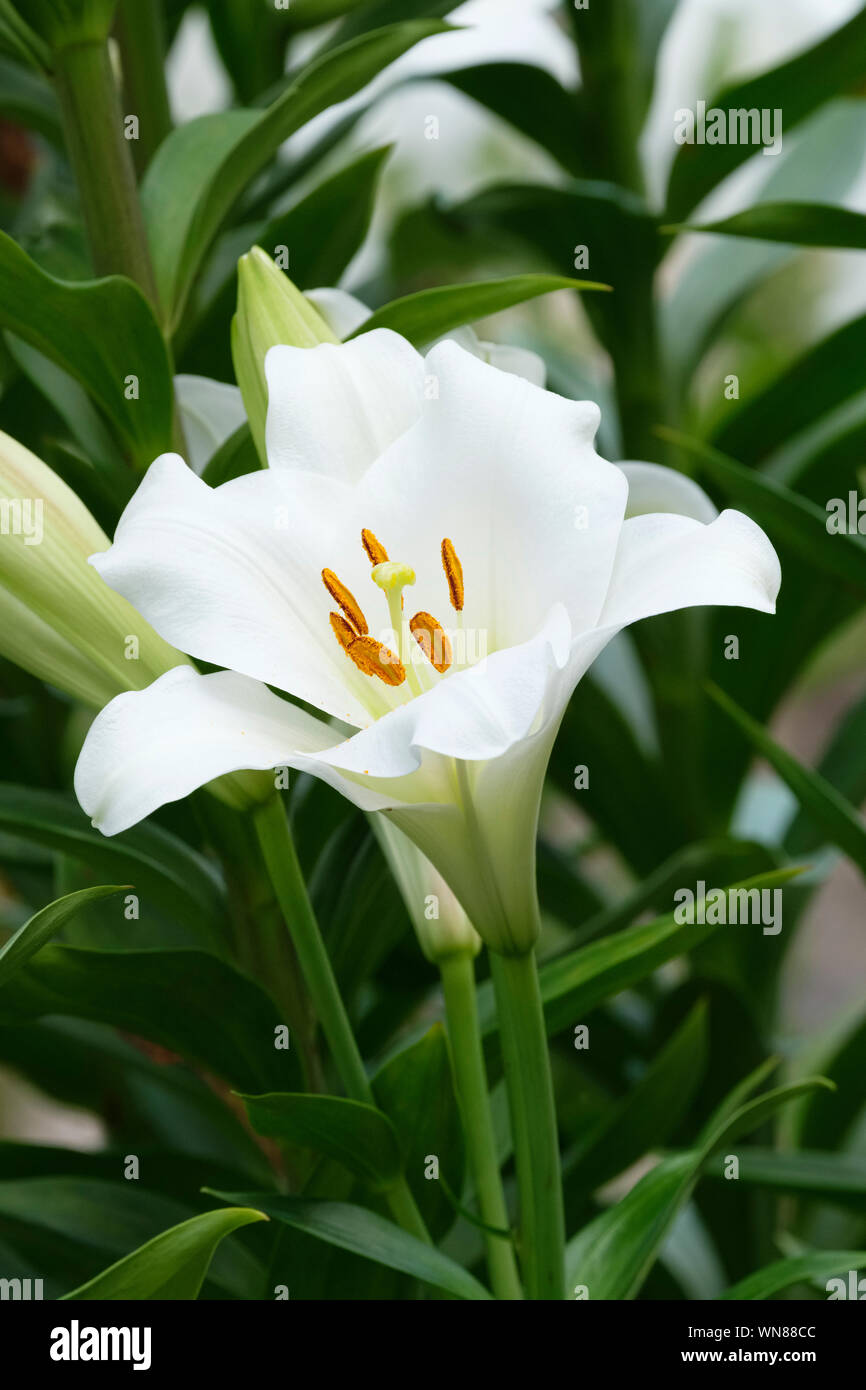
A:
453	573
375	659
346	599
433	641
376	551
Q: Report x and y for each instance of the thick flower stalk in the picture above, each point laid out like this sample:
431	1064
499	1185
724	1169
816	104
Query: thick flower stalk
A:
433	559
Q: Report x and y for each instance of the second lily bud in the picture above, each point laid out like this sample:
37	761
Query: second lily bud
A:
271	311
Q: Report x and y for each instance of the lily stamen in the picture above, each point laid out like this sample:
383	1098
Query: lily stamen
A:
376	551
453	573
346	600
433	641
372	658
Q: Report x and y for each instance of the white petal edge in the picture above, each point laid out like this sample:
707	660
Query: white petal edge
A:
654	488
667	562
342	312
149	747
335	408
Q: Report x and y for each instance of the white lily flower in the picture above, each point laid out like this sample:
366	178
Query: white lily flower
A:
506	532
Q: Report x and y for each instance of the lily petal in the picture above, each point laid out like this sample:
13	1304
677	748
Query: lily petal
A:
342	312
509	473
654	488
149	747
666	562
334	408
234	573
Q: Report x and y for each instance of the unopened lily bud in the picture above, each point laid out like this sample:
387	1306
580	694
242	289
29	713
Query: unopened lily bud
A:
98	645
59	620
441	925
271	311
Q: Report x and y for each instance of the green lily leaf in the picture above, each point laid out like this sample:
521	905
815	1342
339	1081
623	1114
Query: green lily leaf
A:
415	1089
27	98
428	314
202	168
30	938
531	100
88	1222
163	868
173	1265
356	1135
800	224
843	765
365	1233
573	984
649	1114
797	87
825	1177
794	519
322	233
187	1001
814	384
103	333
817	1265
612	1256
841	822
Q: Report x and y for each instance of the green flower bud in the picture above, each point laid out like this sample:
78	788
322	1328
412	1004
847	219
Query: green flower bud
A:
271	310
441	925
60	620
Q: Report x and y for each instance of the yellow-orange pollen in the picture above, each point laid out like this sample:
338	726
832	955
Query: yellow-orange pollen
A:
376	551
352	633
433	641
350	626
346	599
453	573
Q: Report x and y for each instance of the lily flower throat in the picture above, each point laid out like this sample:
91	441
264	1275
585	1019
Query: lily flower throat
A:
374	658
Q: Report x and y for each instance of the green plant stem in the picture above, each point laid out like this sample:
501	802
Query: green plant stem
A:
281	859
533	1123
101	159
140	30
458	983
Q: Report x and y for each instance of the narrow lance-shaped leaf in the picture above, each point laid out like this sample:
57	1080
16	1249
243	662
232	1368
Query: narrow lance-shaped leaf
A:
104	334
578	981
173	1265
359	1136
202	168
822	378
794	519
843	825
428	314
800	224
795	89
365	1233
817	1265
30	938
612	1256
